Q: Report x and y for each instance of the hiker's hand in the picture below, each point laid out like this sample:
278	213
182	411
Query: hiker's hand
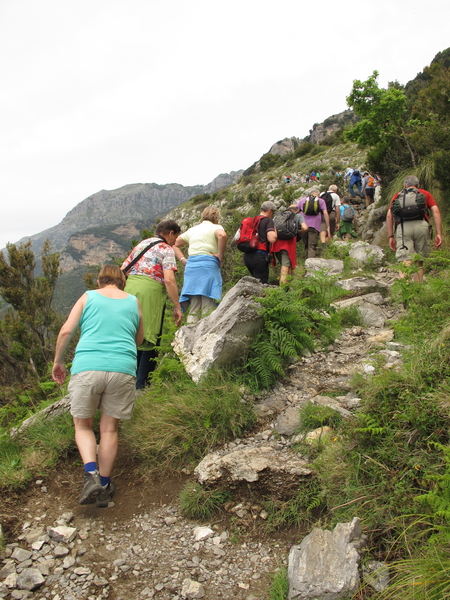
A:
392	244
59	373
437	241
177	316
219	258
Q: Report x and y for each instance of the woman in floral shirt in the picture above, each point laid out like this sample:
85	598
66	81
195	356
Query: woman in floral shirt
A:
151	279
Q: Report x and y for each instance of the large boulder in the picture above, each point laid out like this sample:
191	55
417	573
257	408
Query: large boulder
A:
329	266
362	253
225	335
275	471
361	285
325	565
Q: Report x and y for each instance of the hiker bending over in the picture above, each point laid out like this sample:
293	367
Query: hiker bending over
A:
254	237
103	374
202	286
409	211
285	250
152	279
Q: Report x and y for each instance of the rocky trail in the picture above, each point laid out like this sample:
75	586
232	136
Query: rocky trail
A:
141	546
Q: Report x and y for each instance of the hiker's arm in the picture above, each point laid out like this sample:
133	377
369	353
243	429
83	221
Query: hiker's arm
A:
222	243
390	230
337	214
327	221
438	223
235	240
172	292
65	335
139	337
272	236
176	248
304	227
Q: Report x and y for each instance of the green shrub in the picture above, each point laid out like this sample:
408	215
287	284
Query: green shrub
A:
294	320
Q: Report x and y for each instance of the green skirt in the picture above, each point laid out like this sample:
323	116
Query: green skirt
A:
346	227
152	296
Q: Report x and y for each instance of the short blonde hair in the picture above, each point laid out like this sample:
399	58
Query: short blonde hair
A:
211	214
111	275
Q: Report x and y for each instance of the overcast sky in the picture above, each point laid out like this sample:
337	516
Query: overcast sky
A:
96	94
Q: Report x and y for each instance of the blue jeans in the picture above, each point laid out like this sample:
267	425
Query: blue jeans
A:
358	187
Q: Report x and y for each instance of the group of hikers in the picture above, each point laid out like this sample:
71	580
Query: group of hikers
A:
121	322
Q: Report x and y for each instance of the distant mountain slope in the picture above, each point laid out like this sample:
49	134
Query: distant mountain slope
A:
132	203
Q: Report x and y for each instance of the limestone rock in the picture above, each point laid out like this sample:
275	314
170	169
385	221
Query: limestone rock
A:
372	316
202	533
192	589
374	298
329	266
325	564
224	336
288	421
331	403
363	253
62	534
30	579
34	535
361	284
376	574
276	471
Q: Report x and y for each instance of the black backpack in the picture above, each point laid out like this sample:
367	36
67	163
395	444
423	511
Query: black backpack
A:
311	206
328	200
286	225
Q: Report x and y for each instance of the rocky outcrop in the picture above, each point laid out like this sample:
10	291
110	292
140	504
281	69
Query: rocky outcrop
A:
272	470
325	564
223	337
131	203
284	146
320	131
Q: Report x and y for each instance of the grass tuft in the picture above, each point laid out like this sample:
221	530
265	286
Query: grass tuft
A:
199	503
177	422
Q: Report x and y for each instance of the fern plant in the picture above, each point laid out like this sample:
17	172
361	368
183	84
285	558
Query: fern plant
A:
295	319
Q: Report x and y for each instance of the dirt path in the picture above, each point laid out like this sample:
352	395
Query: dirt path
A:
139	548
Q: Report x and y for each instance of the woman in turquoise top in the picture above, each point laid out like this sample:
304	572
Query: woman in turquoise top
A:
103	374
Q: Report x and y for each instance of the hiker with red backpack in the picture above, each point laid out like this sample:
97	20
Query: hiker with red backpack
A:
254	237
289	225
409	211
312	208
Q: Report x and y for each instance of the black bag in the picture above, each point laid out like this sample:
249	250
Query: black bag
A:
328	200
286	225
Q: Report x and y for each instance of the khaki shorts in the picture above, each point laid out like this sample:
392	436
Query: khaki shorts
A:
111	393
416	237
283	258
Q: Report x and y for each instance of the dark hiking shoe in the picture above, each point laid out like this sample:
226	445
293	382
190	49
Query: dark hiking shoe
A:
92	488
104	498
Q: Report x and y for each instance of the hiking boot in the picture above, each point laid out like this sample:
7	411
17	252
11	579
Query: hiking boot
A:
104	498
92	488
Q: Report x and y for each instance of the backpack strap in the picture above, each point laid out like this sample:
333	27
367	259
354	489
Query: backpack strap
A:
140	255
